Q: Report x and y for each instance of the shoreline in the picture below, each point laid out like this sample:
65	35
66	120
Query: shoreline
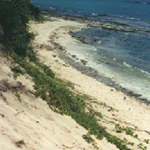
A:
53	98
94	23
115	106
89	70
100	78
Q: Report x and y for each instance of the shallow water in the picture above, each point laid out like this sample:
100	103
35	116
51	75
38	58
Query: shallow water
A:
128	8
118	74
122	56
126	11
129	48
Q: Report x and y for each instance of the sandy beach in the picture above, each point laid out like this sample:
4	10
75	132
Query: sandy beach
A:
32	123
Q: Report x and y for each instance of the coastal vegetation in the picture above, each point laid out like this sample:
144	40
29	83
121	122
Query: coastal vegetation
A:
13	24
15	40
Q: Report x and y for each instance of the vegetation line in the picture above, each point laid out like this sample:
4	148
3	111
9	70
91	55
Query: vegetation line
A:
15	41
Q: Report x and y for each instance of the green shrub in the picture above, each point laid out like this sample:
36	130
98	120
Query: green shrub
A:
15	15
142	147
18	96
17	71
147	141
16	38
62	100
48	71
119	129
129	131
88	138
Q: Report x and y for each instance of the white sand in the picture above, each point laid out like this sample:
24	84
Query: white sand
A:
33	122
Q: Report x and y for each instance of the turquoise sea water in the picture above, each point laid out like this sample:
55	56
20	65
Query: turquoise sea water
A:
126	51
129	8
132	12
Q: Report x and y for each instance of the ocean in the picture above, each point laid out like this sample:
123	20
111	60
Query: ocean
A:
123	55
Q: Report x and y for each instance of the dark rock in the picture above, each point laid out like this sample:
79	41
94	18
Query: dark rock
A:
16	84
3	97
134	94
74	56
20	143
54	55
2	115
84	62
3	88
6	85
41	46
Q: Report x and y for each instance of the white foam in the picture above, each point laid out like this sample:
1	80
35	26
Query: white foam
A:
94	14
127	65
145	72
99	42
51	8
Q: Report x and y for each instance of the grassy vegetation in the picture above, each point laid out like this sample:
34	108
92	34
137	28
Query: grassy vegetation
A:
89	139
18	96
141	146
17	71
16	41
127	130
64	101
147	141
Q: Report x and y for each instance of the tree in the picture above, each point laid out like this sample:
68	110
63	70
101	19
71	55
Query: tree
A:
15	15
